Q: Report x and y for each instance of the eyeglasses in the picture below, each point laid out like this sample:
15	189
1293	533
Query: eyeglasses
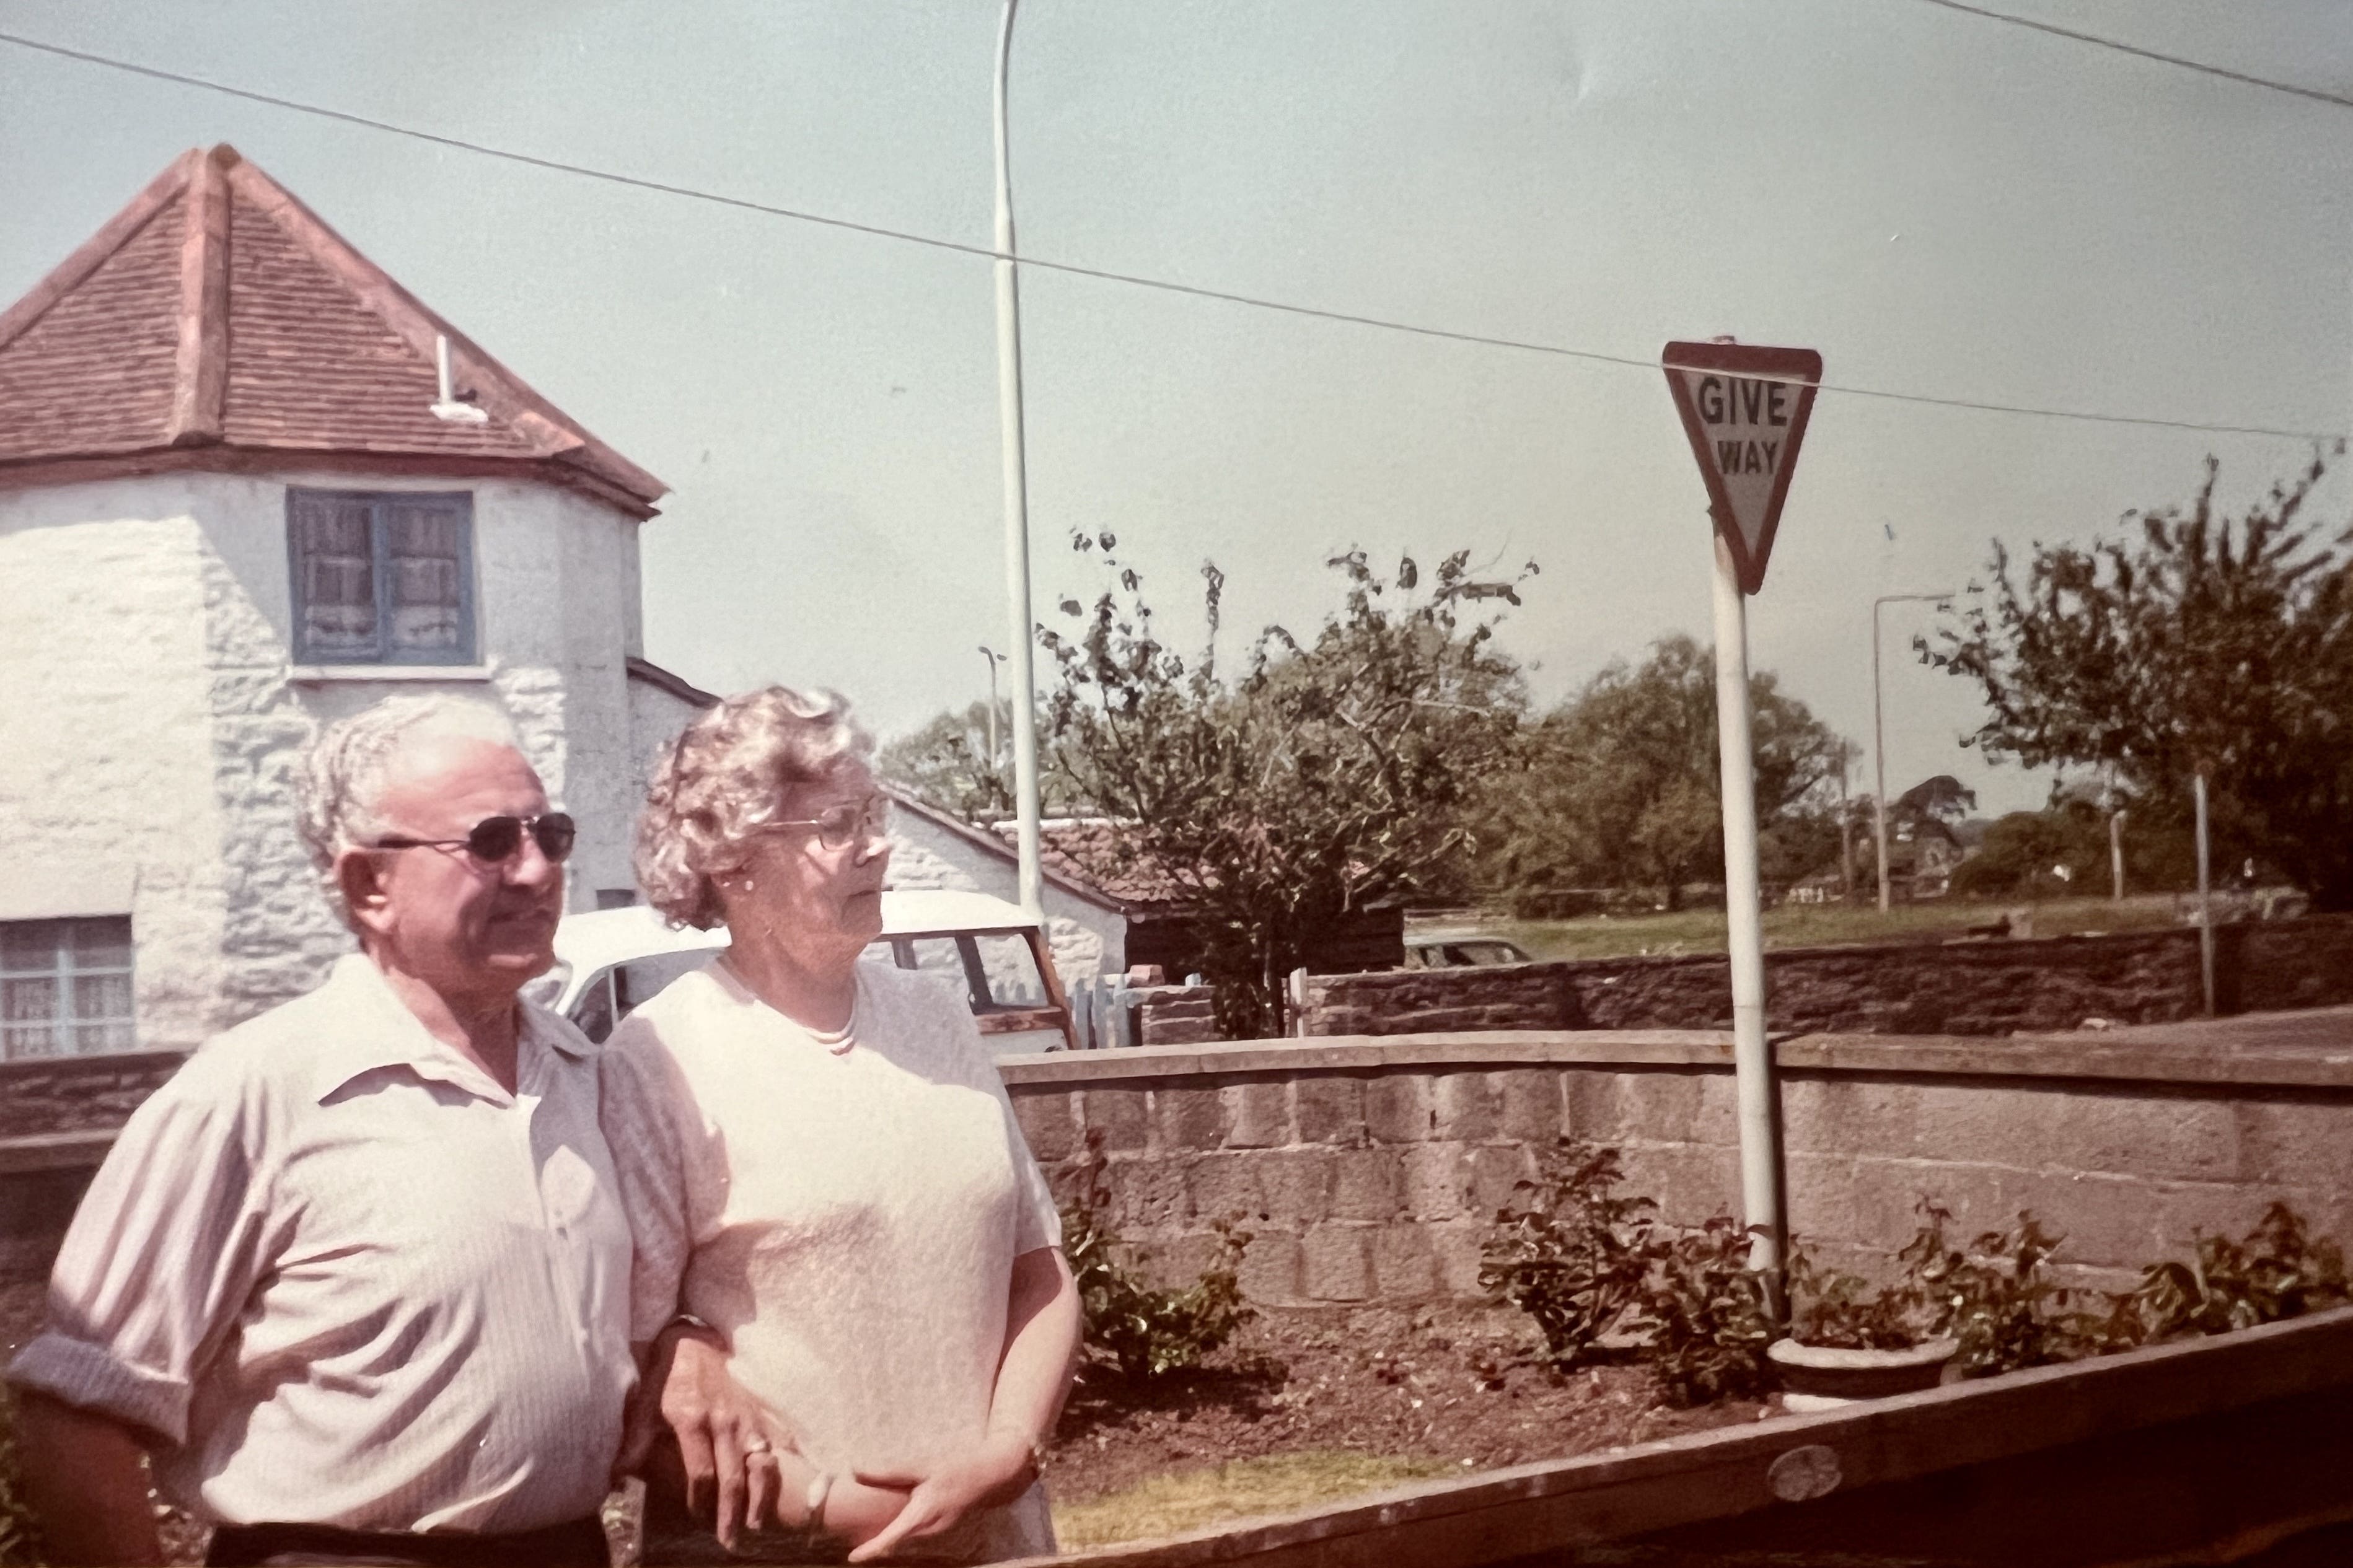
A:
870	818
495	839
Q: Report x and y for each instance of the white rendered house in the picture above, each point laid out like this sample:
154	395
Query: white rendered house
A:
239	494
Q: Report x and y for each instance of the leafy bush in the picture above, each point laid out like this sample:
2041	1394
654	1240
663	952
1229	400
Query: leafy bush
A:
1574	1258
2278	1271
1705	1317
20	1543
1589	1263
1830	1308
1603	1276
1998	1299
1135	1330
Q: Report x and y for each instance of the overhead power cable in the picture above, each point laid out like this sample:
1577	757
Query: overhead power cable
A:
2318	95
1164	285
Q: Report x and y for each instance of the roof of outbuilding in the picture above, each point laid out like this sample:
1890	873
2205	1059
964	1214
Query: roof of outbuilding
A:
216	323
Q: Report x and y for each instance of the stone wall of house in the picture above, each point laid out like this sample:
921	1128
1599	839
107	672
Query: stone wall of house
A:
148	748
1371	1170
1085	938
555	576
1962	988
107	797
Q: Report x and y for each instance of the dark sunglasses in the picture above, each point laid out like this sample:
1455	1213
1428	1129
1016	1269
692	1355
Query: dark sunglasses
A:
496	838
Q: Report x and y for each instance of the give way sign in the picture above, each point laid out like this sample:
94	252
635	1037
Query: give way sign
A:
1744	410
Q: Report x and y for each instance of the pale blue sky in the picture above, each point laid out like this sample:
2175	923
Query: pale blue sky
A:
1938	203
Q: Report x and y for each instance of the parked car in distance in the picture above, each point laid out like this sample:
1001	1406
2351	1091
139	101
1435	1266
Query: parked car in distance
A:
610	962
1460	950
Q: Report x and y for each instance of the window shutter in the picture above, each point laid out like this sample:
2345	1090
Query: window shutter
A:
425	558
335	576
382	578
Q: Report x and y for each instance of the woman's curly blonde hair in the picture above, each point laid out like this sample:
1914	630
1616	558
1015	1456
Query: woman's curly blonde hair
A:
724	777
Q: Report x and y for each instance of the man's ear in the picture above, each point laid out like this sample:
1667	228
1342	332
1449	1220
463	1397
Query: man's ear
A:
361	875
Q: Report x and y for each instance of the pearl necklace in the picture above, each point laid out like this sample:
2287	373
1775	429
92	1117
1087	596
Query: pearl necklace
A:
836	1042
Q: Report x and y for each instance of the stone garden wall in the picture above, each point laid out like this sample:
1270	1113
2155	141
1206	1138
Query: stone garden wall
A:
1370	1170
1959	988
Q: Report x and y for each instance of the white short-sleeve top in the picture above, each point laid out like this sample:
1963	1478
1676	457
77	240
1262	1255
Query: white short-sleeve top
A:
848	1218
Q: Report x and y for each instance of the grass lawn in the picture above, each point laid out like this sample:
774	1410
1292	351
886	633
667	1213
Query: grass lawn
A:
1240	1488
1814	925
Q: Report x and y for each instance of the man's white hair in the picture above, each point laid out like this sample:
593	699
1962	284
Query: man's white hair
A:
344	772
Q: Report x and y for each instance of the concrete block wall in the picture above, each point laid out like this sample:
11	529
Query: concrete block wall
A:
1962	988
1371	1170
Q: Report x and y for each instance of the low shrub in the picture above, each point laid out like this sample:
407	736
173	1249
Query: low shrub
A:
1135	1331
1603	1277
2277	1272
1841	1312
1575	1255
1997	1298
1705	1318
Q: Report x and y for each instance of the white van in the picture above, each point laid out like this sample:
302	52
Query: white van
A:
610	961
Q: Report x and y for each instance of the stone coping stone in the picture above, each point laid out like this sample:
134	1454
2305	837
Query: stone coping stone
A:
54	1152
1728	1471
2195	1056
95	1065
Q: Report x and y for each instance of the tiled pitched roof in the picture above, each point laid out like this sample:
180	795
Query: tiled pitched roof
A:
1087	849
216	323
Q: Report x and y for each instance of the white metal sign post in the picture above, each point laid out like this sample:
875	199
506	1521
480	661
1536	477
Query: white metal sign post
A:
1744	410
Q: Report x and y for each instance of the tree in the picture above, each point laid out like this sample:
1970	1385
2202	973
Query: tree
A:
1327	775
946	763
2024	853
2191	641
1940	798
1620	786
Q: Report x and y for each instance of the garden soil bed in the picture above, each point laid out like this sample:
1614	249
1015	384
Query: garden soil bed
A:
1461	1384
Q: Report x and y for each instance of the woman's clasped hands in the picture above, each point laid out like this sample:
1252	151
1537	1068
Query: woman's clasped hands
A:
993	1472
739	1467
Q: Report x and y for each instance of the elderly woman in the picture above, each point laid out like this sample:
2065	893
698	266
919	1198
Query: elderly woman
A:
849	1290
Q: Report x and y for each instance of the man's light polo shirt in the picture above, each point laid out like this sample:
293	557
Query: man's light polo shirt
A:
350	1280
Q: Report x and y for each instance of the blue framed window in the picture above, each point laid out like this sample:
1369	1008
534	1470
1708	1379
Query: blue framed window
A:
382	577
65	987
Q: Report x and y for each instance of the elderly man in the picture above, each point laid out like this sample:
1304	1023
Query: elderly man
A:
356	1278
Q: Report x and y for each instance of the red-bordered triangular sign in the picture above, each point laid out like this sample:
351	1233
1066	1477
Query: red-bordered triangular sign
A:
1744	410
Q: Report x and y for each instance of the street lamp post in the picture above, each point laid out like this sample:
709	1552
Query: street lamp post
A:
1846	827
1032	879
1879	733
994	658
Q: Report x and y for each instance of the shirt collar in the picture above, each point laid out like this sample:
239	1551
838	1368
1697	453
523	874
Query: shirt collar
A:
373	1029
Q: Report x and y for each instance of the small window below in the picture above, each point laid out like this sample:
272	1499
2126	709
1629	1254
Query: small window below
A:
382	577
65	987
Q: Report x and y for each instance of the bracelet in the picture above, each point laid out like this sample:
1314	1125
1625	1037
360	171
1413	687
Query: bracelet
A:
820	1486
688	1321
